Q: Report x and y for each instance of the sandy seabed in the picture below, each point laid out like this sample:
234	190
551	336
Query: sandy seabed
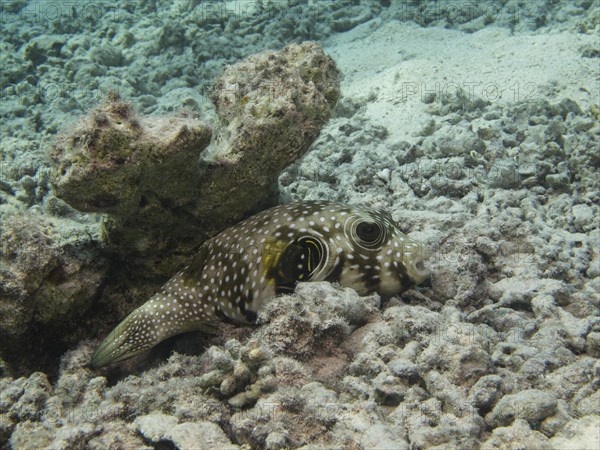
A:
480	138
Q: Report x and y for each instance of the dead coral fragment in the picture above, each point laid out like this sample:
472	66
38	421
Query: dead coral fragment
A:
271	108
112	157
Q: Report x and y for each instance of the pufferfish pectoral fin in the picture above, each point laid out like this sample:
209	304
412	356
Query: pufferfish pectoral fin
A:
296	263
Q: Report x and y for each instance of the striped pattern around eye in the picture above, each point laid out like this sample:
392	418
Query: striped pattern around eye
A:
316	254
367	233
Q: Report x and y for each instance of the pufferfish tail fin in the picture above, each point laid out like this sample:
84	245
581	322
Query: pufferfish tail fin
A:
126	340
139	332
152	322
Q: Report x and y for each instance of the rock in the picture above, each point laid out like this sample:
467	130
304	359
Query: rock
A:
518	435
186	436
117	163
7	426
531	405
144	172
48	277
266	96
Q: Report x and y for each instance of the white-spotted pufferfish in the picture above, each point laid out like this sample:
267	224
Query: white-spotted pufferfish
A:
239	270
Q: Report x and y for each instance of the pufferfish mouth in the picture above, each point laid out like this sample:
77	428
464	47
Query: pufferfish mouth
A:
420	273
415	268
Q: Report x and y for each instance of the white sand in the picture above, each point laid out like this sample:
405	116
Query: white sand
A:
401	62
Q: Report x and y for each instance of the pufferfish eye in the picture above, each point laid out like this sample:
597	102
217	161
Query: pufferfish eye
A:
368	232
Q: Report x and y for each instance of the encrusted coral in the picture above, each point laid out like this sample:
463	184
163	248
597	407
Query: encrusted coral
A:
47	280
166	185
141	171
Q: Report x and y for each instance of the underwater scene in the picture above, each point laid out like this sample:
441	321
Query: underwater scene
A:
300	224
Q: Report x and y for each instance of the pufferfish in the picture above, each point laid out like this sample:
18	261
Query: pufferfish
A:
242	268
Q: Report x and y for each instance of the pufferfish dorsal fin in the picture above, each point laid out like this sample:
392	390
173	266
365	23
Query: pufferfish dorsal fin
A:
191	278
192	274
297	262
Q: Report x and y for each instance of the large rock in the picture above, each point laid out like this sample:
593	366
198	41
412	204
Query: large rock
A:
167	184
51	271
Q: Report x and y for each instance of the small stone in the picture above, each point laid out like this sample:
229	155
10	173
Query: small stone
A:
567	106
267	384
234	347
219	359
382	436
31	435
485	392
403	368
384	175
592	344
276	441
195	435
245	399
228	386
543	306
518	435
583	216
154	426
558	180
6	427
264	371
555	423
256	355
241	374
388	390
210	379
356	388
580	433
